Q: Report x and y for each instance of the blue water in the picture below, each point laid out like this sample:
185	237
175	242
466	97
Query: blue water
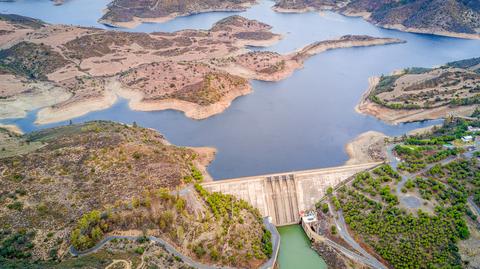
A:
302	122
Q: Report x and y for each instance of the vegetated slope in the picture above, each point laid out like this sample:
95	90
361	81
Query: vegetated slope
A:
22	21
31	60
427	233
121	11
455	83
84	167
79	183
434	92
444	17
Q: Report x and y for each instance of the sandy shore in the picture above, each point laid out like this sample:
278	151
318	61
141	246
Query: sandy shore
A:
396	116
12	128
367	147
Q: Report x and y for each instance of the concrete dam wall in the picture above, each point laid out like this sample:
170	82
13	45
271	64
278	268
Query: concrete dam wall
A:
283	196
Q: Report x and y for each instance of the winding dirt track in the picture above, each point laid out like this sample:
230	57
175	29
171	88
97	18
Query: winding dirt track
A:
127	264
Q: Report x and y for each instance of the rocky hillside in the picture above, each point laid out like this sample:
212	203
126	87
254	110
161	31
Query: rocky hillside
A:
424	93
444	17
129	12
78	168
79	183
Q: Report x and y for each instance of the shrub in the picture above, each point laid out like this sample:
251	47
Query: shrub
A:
139	250
17	205
199	251
325	208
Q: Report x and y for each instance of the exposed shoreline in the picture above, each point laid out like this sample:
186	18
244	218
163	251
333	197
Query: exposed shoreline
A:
430	32
191	110
366	147
396	116
194	111
12	128
366	17
136	21
51	115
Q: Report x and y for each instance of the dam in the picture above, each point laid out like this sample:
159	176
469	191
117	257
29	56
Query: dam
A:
284	196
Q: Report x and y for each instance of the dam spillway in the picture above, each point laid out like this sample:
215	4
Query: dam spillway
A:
283	196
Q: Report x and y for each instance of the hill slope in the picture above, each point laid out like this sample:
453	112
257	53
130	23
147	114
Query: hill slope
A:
129	13
442	17
416	93
79	183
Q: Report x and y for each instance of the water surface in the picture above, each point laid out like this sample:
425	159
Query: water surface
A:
302	122
295	251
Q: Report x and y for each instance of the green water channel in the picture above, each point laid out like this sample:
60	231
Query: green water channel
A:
295	251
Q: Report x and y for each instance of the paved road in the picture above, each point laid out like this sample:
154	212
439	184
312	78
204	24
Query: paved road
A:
476	210
267	265
343	232
350	254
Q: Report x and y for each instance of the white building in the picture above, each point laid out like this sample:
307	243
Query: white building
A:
309	217
467	138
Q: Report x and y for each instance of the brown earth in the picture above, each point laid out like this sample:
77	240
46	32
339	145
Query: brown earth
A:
195	71
78	63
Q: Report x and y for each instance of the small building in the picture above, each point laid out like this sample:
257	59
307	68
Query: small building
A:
309	217
467	138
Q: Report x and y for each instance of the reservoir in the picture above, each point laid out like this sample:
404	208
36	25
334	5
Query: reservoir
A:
302	122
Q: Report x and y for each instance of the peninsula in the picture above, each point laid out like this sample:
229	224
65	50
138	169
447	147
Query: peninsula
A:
69	71
416	94
439	17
